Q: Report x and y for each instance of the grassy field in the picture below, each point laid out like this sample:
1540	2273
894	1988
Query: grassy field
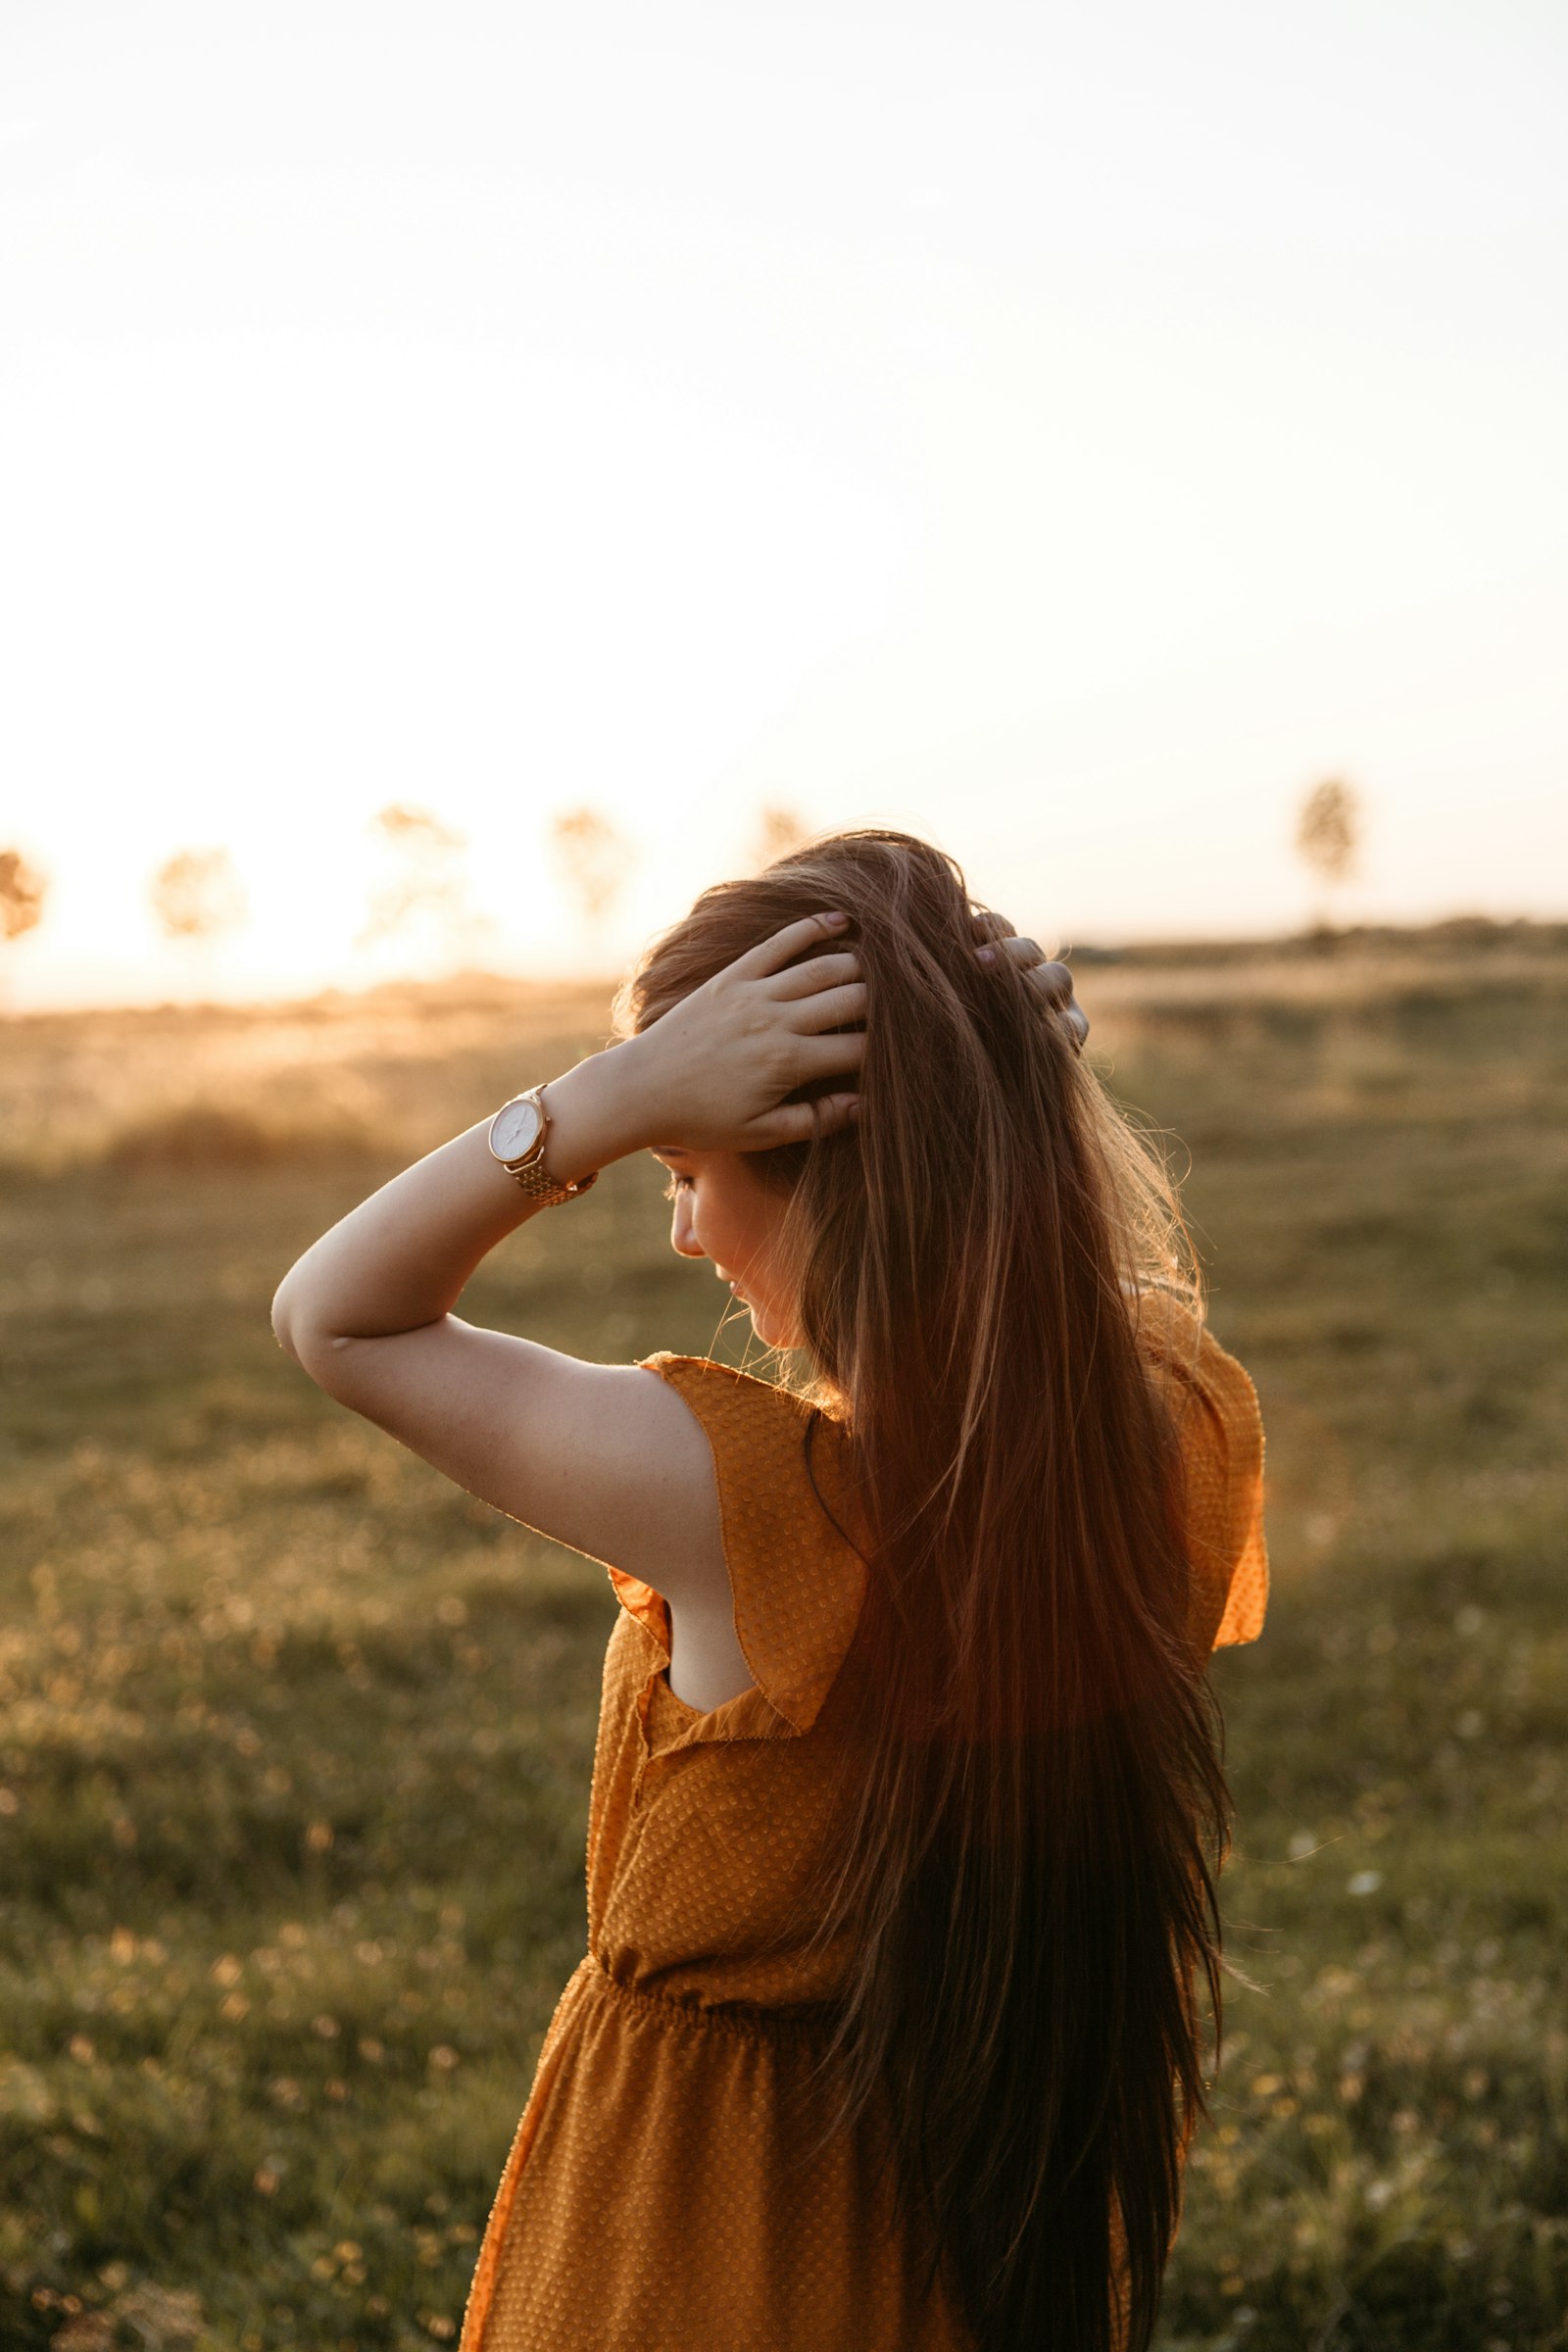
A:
294	1739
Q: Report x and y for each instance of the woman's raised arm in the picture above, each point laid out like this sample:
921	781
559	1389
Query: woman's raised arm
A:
399	1261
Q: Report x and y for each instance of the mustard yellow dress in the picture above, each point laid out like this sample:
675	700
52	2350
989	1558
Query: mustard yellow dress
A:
650	2203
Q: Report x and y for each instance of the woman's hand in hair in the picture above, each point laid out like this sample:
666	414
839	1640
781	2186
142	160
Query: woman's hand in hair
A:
1053	980
713	1073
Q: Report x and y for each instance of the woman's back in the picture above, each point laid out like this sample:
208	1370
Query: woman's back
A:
675	2106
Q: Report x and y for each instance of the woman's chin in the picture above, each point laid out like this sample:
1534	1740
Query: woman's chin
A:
771	1334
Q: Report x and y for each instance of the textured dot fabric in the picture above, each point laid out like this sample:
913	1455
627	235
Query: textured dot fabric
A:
663	2193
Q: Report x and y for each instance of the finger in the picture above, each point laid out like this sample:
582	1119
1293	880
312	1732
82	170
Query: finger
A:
1077	1021
802	1122
1022	951
1054	980
772	953
1027	953
833	1007
818	972
988	925
839	1050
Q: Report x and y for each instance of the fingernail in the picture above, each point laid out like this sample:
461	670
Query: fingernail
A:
987	954
836	918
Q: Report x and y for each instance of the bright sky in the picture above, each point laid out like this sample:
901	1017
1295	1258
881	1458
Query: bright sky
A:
1068	431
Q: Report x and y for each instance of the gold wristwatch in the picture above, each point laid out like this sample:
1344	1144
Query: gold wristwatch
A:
516	1138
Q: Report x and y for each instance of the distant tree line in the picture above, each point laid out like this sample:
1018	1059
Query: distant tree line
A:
421	892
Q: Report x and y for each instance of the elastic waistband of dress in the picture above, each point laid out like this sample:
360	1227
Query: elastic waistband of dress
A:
747	2022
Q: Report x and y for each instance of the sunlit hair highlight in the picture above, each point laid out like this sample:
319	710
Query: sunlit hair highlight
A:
1027	1859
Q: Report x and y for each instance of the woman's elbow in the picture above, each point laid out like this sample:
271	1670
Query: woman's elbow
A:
325	1356
283	1321
290	1325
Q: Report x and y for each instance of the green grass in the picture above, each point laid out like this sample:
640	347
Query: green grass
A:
295	1739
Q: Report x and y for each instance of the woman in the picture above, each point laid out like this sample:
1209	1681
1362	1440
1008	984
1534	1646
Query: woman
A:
906	1798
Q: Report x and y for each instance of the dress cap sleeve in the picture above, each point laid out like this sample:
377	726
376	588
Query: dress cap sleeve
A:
1220	1432
797	1582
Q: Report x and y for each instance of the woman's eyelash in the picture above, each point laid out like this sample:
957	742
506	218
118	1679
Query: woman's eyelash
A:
677	1184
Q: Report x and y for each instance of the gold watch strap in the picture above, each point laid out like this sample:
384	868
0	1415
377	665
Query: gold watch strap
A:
545	1189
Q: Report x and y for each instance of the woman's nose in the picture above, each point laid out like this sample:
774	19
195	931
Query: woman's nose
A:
682	1237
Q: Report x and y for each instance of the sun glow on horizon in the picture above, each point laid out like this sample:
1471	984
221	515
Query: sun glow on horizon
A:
1068	440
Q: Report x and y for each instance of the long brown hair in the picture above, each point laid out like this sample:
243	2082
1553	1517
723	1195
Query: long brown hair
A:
1028	1858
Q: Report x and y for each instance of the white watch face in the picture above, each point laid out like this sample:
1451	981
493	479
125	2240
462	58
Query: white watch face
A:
514	1129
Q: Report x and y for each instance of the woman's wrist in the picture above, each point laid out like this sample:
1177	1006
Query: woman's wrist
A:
597	1113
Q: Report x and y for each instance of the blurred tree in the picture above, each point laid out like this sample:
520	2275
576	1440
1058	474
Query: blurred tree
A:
778	831
423	896
23	890
196	896
593	858
1328	834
